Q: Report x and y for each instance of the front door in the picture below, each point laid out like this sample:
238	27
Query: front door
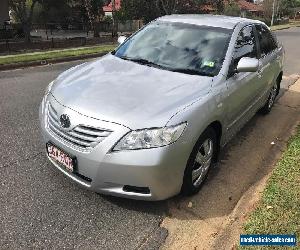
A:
242	87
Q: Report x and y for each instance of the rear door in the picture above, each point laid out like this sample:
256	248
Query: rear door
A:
269	59
241	87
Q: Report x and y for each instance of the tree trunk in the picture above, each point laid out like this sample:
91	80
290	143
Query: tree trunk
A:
96	30
27	24
169	6
27	30
115	21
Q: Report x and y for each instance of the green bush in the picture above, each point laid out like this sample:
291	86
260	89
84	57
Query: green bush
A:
232	9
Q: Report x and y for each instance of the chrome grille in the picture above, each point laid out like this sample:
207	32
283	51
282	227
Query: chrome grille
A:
81	136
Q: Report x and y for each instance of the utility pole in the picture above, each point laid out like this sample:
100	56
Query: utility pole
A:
273	12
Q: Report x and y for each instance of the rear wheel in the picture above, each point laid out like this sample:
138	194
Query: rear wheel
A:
271	100
200	162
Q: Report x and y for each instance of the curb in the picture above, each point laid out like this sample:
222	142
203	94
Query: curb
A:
295	87
286	28
49	61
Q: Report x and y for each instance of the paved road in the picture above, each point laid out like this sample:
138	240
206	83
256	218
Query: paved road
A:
290	38
41	208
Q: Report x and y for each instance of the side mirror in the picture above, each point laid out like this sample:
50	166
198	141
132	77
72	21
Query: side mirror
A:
247	64
121	39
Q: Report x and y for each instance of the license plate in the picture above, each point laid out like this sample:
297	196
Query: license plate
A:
61	157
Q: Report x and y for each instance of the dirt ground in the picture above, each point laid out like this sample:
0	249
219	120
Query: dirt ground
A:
213	219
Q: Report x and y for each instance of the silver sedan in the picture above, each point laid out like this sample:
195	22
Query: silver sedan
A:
148	120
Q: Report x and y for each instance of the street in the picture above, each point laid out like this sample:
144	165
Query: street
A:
40	208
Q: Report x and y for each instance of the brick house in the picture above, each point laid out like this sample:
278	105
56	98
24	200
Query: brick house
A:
250	8
108	9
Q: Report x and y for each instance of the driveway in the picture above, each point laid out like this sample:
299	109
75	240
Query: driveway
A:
40	208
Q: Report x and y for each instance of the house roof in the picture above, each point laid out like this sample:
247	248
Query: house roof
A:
244	5
108	8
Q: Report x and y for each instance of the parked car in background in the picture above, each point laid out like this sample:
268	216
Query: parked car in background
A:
148	120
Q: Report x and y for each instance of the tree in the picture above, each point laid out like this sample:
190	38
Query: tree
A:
232	9
168	6
190	6
151	9
287	7
94	9
23	11
219	5
53	11
138	9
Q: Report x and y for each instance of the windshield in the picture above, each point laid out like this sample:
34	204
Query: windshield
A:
178	47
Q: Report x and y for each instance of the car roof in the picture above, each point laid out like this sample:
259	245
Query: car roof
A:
219	21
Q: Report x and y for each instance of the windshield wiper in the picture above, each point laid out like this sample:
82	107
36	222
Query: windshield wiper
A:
141	61
192	72
179	70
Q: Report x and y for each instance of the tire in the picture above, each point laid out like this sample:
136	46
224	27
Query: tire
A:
200	162
266	109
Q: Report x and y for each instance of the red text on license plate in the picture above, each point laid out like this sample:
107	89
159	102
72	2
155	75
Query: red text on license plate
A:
60	157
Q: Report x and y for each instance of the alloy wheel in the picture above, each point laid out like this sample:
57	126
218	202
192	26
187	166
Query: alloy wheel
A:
272	96
202	162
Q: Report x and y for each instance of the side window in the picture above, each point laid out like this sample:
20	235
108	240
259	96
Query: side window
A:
266	40
245	47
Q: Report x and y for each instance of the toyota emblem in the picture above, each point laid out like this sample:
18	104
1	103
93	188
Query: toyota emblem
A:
65	121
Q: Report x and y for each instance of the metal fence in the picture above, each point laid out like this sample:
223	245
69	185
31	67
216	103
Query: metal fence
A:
14	46
57	35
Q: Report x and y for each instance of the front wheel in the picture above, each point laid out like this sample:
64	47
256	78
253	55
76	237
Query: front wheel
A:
199	162
271	100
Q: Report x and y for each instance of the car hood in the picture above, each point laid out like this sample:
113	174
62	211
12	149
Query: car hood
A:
127	93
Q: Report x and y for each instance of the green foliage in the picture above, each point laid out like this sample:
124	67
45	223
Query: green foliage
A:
190	6
23	13
286	6
108	19
232	9
52	11
97	7
278	211
151	9
138	9
219	5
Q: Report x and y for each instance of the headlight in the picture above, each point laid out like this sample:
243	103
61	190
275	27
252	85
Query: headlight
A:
49	87
150	138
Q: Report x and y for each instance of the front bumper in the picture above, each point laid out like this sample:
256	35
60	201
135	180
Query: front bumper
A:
151	174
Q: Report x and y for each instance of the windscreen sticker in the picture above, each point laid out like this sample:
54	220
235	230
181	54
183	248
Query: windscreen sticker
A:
209	64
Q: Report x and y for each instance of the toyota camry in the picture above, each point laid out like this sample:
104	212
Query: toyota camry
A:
148	120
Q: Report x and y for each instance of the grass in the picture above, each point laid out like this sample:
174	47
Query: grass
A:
279	208
54	54
286	26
